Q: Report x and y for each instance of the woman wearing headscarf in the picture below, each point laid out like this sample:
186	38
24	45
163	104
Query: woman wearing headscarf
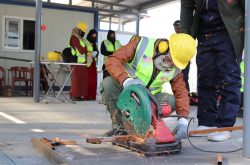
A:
108	47
79	49
91	70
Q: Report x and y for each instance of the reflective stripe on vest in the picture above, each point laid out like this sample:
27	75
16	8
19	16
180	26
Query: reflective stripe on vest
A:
142	66
242	76
111	48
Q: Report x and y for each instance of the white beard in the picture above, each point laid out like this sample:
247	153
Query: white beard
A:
160	65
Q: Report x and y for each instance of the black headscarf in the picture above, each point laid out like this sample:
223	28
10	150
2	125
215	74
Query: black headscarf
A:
91	39
111	39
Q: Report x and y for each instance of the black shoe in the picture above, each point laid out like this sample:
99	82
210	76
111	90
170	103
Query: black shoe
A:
110	132
121	132
76	98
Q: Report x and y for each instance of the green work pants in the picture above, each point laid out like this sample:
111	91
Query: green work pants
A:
111	89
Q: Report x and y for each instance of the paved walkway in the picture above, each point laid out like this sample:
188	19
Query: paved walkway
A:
21	120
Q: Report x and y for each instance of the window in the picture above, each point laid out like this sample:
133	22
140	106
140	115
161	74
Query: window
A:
12	33
28	35
19	34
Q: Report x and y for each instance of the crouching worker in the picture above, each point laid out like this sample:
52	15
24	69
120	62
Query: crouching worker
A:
151	63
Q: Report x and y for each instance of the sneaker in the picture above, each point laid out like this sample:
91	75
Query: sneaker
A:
199	128
219	136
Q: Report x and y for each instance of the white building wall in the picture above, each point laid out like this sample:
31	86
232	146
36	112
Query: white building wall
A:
59	24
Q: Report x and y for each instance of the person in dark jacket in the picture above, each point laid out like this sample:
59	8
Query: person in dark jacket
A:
219	27
91	70
108	47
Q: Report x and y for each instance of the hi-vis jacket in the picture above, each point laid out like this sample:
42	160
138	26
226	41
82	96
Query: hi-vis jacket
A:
136	60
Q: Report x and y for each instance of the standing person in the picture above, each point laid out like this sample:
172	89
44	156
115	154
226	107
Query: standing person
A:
219	27
91	70
108	47
78	88
151	63
177	29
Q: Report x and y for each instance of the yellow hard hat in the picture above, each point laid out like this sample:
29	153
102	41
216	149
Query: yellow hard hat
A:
182	49
82	26
163	46
54	56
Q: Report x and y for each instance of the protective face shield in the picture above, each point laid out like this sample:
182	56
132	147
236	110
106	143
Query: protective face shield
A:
163	62
81	33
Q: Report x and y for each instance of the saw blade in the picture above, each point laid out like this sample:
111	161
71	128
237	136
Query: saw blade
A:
135	107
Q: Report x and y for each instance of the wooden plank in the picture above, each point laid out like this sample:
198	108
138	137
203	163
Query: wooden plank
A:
67	142
47	142
58	141
99	140
219	159
50	154
206	131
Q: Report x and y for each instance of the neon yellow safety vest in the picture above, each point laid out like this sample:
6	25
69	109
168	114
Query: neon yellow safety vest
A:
110	47
142	66
242	76
89	46
80	57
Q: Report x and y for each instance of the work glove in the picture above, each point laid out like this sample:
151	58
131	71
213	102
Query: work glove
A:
181	128
130	81
94	54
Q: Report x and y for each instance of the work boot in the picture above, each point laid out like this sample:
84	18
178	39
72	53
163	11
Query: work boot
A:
219	136
110	133
121	132
115	132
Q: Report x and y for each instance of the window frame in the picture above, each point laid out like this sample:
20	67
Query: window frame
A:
21	19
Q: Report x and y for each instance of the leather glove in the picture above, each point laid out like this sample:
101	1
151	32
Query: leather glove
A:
181	128
130	81
94	54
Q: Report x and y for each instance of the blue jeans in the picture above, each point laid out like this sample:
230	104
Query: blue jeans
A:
219	82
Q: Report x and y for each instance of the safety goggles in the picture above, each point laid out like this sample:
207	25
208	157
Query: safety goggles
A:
81	33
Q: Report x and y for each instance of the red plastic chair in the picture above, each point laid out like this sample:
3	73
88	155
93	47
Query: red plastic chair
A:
20	74
2	80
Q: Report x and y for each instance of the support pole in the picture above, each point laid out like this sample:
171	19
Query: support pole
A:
120	23
246	117
138	25
37	52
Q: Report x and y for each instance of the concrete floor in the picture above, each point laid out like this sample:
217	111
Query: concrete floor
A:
84	119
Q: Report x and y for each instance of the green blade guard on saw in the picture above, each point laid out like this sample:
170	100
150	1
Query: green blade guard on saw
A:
135	106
